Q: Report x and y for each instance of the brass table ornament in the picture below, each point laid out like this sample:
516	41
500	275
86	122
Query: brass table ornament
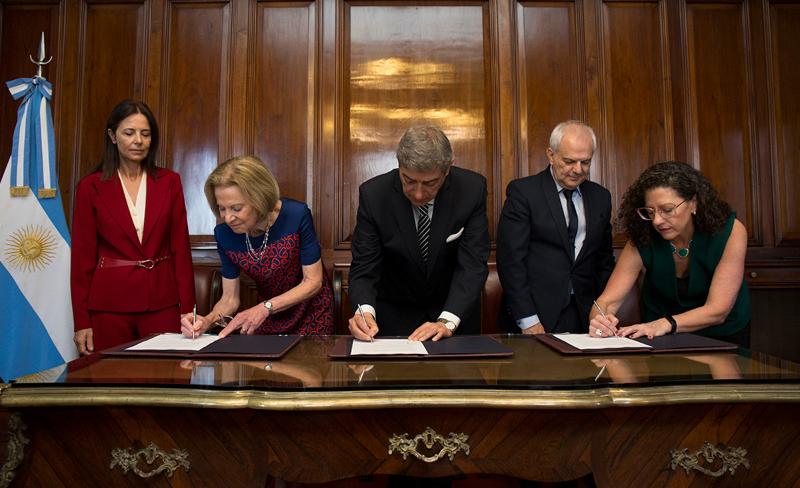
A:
731	458
128	460
450	446
15	449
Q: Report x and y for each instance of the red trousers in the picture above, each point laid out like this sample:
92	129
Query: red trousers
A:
111	329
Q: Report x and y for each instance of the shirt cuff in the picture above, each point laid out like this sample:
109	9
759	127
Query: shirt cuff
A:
369	309
528	322
450	317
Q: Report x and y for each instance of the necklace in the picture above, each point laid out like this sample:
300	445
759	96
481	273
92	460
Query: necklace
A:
682	252
256	255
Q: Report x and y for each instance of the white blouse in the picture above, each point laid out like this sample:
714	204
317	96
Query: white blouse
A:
137	209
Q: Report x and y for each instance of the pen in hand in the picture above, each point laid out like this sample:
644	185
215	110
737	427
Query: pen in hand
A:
361	313
599	309
194	318
602	314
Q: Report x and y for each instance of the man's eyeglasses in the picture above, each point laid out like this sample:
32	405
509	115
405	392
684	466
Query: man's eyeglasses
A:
667	212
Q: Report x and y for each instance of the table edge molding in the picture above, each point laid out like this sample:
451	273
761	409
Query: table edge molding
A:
75	396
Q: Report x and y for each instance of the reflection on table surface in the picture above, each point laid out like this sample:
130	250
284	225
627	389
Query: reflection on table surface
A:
533	366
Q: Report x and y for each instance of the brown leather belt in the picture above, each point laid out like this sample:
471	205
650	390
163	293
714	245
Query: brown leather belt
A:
105	262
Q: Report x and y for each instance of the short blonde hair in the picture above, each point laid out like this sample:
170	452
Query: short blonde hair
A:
253	179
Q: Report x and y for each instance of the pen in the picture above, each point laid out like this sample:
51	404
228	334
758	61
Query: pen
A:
361	312
194	318
602	314
599	309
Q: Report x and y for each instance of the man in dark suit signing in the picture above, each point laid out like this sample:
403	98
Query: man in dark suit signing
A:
554	252
420	245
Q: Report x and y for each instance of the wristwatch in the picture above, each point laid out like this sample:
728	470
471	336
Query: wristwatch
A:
268	306
449	324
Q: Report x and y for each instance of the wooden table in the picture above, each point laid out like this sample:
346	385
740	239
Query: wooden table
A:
539	415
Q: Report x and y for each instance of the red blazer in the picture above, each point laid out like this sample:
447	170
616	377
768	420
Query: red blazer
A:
102	227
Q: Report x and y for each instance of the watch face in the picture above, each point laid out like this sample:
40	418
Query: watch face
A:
451	326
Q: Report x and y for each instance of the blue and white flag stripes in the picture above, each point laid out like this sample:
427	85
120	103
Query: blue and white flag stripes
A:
36	329
33	147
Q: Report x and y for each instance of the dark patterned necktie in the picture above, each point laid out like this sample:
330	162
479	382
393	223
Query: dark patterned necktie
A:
572	225
423	229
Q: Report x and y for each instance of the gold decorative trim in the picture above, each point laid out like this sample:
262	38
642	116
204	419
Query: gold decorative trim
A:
730	457
47	192
18	396
405	446
15	449
128	460
20	191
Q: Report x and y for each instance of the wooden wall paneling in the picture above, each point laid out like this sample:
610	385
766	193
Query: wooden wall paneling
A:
504	109
551	76
240	89
284	101
637	92
784	58
22	25
411	65
195	110
110	72
329	14
721	97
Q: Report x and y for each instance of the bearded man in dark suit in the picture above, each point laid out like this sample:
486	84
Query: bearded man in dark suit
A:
554	250
420	245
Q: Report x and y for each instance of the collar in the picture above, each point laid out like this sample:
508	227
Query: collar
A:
558	185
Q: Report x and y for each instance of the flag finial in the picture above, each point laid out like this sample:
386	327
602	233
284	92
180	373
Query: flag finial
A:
40	62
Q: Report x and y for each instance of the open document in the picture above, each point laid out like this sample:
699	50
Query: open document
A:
174	342
387	347
585	342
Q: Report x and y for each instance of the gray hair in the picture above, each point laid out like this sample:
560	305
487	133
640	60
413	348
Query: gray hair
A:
425	149
558	134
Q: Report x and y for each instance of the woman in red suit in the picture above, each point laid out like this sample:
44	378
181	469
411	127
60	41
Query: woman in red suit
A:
131	262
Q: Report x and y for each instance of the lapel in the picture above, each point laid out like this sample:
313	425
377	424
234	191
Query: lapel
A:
404	218
156	198
113	197
442	216
554	204
587	214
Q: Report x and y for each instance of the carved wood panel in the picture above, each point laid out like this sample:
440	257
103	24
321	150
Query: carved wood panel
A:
194	107
721	115
551	76
110	72
405	66
636	93
784	57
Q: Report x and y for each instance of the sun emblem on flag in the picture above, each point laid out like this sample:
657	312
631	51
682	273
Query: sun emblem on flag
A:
30	248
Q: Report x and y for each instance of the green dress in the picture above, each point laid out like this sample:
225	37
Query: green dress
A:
660	295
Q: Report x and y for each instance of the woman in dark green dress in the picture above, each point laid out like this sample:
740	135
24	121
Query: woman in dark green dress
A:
691	248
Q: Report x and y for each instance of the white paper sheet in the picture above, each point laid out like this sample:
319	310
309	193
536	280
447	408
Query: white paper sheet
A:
174	342
585	342
387	347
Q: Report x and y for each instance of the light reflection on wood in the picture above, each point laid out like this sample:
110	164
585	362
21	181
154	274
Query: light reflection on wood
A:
413	66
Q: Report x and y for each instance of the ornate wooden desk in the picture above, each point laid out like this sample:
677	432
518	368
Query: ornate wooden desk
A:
643	420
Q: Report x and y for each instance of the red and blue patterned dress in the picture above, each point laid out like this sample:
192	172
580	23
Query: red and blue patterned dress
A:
292	244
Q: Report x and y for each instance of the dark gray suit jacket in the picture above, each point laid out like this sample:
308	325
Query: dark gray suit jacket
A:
533	257
387	270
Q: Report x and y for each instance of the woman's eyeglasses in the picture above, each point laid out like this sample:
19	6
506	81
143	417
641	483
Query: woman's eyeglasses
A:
667	212
223	321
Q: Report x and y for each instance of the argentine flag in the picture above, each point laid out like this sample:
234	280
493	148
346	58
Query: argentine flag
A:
36	326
